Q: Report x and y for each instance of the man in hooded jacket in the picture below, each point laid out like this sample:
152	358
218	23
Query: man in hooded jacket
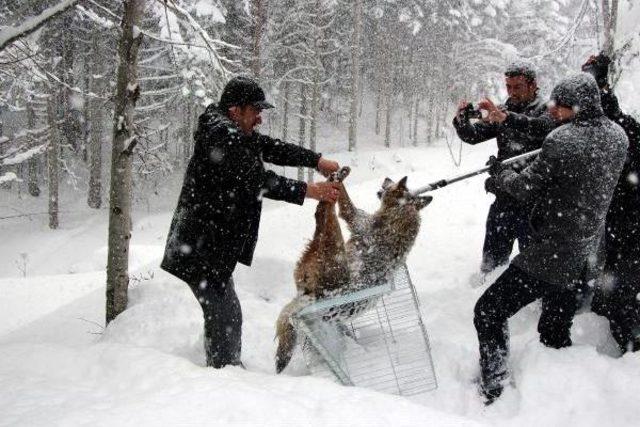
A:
617	296
215	224
571	183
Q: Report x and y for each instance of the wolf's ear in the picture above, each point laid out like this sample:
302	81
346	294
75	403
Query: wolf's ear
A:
403	183
388	182
422	201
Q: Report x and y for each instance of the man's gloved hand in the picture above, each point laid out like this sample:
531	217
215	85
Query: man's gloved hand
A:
495	166
490	185
598	67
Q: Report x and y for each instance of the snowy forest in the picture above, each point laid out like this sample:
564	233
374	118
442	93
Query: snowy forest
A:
99	102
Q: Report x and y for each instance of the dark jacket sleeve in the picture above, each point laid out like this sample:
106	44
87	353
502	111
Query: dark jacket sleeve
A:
610	104
278	187
534	179
630	125
476	132
284	154
538	127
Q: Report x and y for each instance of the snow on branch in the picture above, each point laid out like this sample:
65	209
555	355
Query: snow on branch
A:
26	155
90	14
8	177
568	36
9	34
211	44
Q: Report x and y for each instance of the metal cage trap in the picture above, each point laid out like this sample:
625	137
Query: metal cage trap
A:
372	338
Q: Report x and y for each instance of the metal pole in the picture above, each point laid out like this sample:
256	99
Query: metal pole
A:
445	182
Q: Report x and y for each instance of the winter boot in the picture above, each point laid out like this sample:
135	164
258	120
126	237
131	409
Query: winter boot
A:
490	393
491	387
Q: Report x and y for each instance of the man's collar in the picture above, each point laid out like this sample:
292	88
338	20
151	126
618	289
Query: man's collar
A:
523	106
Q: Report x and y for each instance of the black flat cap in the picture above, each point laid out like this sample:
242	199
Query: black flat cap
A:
241	91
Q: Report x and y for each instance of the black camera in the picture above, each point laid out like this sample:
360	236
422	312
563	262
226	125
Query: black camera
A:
470	112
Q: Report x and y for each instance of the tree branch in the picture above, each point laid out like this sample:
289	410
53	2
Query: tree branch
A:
10	34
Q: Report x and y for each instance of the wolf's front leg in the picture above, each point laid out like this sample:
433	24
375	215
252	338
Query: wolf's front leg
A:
354	217
347	210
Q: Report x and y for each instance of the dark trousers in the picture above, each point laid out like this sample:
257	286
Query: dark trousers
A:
222	321
620	305
619	301
507	221
513	290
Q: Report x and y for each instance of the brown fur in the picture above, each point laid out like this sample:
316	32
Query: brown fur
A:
378	245
322	269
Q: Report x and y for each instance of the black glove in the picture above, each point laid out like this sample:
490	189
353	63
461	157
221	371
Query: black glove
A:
598	67
490	185
495	166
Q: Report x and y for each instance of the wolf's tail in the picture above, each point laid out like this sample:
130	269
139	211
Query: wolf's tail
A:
285	331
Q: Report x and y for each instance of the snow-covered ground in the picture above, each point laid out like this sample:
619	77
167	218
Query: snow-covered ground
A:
59	366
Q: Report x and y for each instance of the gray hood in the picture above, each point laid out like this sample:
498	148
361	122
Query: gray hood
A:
579	91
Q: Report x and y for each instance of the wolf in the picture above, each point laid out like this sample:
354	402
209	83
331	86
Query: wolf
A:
378	245
322	269
380	242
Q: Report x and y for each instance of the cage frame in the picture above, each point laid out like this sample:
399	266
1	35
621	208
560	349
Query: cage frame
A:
302	323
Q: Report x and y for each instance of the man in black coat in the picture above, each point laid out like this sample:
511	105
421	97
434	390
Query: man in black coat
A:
215	224
571	183
519	126
617	297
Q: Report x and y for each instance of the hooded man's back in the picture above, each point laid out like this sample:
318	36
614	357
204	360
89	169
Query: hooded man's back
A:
572	182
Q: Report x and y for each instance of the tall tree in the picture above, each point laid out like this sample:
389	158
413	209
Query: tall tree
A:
355	74
124	141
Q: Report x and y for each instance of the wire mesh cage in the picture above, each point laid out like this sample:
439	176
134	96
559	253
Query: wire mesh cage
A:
372	338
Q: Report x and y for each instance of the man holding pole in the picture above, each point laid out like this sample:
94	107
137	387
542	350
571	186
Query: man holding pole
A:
571	184
519	126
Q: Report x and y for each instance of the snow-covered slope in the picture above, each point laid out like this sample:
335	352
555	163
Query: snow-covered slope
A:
59	367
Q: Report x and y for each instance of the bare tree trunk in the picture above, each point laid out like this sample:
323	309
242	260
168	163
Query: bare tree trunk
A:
609	18
387	125
259	27
429	117
34	189
378	108
285	113
53	162
361	96
313	125
355	74
69	125
188	128
303	124
124	140
95	118
401	126
86	105
94	198
416	114
610	23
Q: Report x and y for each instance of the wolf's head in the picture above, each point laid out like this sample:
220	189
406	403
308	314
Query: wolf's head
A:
396	194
